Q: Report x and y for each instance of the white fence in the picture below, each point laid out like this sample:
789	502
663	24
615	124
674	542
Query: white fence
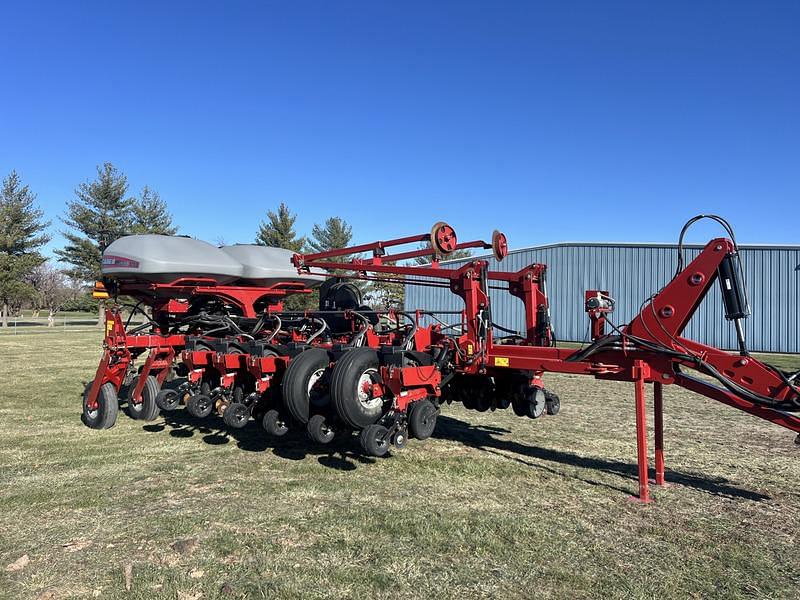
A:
18	325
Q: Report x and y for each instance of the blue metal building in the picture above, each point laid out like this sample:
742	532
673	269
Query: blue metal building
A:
631	273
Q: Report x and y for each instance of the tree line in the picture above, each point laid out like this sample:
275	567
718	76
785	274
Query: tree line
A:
102	211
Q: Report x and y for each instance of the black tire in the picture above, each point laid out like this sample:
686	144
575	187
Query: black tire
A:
319	430
168	400
236	415
271	399
374	440
200	406
238	394
305	388
105	415
400	439
520	407
422	417
274	423
553	404
147	409
468	400
355	406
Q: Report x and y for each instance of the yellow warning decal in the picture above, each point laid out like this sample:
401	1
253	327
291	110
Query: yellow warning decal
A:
501	361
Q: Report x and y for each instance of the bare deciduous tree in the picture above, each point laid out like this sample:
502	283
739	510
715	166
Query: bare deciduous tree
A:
53	289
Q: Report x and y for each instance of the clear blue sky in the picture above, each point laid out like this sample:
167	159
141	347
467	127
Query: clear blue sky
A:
565	121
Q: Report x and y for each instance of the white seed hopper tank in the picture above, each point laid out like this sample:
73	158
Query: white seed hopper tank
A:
265	266
164	258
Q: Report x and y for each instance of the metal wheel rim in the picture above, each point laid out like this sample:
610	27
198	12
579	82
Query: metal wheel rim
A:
315	396
366	400
381	441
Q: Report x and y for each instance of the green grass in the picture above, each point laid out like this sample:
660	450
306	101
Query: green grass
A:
492	506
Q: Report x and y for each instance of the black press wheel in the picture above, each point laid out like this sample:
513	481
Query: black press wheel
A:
422	419
104	414
520	406
168	400
199	406
319	430
482	403
147	409
305	384
274	423
236	415
400	439
352	388
553	403
375	440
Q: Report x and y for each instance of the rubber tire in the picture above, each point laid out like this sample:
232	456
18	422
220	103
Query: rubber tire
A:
400	439
238	394
319	431
346	373
552	404
373	439
200	406
148	409
107	409
294	387
422	417
168	399
520	407
274	424
236	415
468	400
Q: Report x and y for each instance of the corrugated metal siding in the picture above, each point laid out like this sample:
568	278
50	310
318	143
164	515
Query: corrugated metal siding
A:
631	273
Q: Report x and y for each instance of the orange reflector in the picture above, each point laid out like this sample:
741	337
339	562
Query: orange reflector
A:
99	291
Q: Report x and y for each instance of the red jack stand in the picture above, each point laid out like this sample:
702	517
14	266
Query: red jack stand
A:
640	372
658	410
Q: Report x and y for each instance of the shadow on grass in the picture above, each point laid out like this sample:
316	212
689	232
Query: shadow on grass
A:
487	439
343	454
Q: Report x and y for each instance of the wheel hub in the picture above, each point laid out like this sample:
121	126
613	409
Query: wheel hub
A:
316	387
364	390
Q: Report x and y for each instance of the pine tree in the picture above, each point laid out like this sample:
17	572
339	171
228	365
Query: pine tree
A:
99	214
21	238
336	233
150	214
278	230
